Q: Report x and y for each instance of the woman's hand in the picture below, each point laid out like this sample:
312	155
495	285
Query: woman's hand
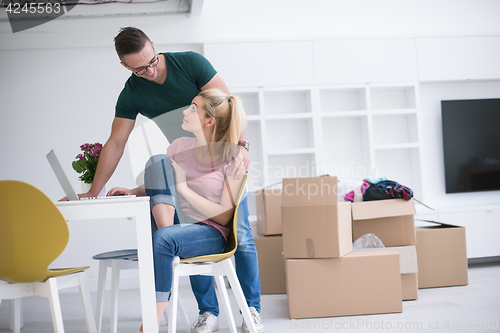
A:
118	191
180	177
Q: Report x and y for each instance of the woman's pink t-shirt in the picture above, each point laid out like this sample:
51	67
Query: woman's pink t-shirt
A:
206	180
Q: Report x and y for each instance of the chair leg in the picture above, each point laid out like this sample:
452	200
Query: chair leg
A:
184	314
101	286
16	315
223	298
87	303
55	305
115	283
238	293
172	304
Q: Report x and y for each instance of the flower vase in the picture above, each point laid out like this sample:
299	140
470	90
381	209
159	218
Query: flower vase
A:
86	187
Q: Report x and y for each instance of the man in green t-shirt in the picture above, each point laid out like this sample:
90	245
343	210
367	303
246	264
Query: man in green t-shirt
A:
160	84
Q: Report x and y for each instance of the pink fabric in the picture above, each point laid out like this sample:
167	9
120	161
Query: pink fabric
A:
350	196
206	180
364	186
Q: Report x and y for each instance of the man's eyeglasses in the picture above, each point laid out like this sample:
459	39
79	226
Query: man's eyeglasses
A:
153	63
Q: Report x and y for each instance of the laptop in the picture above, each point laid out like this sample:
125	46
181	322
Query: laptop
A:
66	185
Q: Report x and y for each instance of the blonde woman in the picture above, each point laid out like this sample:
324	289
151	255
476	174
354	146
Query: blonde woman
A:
192	189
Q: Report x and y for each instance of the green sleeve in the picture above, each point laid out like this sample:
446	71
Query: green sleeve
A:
200	69
125	107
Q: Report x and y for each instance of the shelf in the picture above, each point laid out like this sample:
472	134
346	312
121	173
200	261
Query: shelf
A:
250	102
342	99
345	150
393	97
287	102
289	134
396	146
291	151
350	131
394	111
395	129
343	114
289	116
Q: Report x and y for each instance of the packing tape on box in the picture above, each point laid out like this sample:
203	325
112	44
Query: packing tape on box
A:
310	248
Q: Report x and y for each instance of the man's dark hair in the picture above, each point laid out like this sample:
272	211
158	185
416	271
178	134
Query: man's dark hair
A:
130	40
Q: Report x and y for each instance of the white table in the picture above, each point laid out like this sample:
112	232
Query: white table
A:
138	209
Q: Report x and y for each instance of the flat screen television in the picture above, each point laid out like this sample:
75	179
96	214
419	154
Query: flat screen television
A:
471	142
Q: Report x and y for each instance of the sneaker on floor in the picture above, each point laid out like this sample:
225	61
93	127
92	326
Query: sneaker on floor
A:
259	324
206	323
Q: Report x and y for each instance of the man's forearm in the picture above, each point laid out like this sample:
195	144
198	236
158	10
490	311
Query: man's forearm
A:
108	160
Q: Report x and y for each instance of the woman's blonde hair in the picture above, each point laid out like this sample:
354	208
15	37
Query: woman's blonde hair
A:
229	117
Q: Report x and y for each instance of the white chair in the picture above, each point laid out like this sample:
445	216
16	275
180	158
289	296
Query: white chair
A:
118	261
218	266
33	233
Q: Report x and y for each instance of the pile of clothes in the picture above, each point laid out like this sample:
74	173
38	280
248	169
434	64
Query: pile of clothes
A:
379	189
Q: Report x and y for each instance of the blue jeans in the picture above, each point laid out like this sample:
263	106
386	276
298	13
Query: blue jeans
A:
247	269
185	241
185	238
159	182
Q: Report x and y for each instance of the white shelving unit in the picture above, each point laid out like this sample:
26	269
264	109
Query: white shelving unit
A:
351	131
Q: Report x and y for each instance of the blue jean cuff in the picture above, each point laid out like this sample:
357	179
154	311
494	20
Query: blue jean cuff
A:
162	296
162	198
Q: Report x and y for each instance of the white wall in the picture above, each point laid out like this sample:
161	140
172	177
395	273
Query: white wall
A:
59	81
262	19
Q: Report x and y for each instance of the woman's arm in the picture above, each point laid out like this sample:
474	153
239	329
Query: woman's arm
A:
219	212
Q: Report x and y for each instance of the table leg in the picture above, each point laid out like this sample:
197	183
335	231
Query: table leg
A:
146	272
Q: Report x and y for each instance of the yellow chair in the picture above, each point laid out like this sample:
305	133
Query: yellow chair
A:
33	233
218	266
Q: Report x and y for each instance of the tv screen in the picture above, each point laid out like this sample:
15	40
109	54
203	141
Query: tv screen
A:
471	142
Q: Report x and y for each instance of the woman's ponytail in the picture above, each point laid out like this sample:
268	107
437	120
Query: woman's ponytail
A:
229	117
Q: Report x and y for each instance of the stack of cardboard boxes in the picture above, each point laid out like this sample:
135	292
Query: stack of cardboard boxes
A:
325	277
305	250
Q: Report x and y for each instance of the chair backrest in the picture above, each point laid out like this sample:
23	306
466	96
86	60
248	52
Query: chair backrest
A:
33	233
232	239
145	140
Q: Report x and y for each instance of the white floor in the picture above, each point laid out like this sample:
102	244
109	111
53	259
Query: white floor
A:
471	308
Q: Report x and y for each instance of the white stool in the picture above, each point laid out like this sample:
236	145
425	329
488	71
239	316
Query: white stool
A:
117	261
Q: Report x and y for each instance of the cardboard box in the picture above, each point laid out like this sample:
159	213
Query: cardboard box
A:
361	282
390	220
315	225
309	190
409	286
442	256
268	203
271	264
407	258
408	269
317	231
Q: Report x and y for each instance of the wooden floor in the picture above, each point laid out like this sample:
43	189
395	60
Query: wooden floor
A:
472	308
